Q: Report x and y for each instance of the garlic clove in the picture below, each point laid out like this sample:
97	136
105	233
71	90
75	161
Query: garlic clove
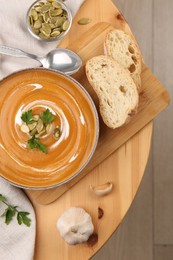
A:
75	225
101	190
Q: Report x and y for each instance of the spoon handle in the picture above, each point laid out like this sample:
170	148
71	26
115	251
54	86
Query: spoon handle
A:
16	52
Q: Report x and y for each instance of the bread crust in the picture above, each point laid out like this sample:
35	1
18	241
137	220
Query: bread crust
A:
122	48
116	91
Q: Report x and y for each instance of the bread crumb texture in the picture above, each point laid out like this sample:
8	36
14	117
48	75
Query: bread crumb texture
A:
122	48
117	93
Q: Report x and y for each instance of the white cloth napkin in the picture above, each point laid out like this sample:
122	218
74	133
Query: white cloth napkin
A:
17	242
14	33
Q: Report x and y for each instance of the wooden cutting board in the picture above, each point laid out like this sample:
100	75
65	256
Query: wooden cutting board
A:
153	99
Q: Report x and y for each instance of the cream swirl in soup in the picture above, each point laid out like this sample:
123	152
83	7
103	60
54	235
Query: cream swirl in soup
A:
38	90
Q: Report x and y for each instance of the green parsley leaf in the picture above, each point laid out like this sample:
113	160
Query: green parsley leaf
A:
2	198
41	147
27	117
47	116
22	218
34	143
9	214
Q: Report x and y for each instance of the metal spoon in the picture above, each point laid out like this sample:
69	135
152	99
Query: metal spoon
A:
61	59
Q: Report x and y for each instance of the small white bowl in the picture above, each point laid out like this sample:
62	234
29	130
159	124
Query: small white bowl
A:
59	37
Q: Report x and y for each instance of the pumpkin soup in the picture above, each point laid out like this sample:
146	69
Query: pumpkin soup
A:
74	115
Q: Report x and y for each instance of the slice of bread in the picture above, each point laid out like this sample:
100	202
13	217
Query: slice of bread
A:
116	91
122	48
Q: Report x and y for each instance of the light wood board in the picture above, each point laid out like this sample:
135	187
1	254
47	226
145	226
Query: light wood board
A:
153	99
124	167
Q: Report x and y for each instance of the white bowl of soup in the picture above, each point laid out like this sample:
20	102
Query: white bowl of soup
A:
49	128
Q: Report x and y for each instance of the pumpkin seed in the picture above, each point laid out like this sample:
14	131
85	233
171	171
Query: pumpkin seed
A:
52	26
56	5
41	133
56	132
34	14
48	4
59	21
48	128
41	3
46	28
46	17
84	21
33	132
65	25
39	126
24	128
32	126
38	9
36	31
31	20
48	20
40	17
35	117
55	34
37	24
55	12
57	30
43	36
45	8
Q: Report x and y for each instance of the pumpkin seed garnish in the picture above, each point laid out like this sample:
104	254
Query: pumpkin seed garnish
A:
37	126
33	132
84	21
24	128
32	126
35	117
48	128
41	133
48	13
56	132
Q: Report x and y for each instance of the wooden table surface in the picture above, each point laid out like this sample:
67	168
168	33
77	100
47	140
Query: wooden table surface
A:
124	168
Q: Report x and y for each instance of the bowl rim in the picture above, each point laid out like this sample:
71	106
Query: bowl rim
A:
58	38
96	134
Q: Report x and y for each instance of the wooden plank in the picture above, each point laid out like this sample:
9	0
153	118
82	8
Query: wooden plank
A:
129	160
134	237
163	252
125	174
153	99
163	137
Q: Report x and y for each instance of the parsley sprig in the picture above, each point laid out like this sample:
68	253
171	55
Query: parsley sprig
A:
27	117
47	117
34	143
11	211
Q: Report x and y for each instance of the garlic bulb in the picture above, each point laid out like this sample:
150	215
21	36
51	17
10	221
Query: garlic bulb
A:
75	225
